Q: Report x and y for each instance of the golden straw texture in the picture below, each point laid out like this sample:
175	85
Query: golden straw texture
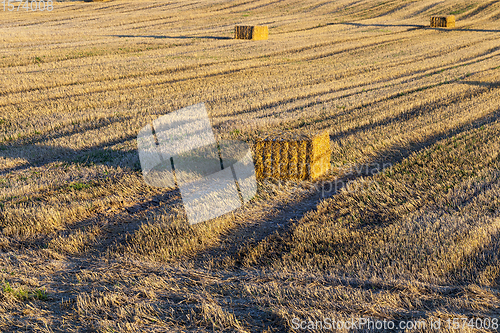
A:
443	21
251	32
292	156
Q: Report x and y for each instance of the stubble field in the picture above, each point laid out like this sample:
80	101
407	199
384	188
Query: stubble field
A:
413	117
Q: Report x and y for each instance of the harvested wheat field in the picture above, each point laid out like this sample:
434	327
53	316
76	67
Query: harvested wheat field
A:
403	228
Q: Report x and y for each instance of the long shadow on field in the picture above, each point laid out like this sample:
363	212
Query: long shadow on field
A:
403	116
416	26
172	37
482	84
39	155
472	267
123	224
479	9
414	112
250	234
36	154
310	104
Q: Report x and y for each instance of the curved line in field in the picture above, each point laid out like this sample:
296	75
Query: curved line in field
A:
414	112
52	154
62	132
423	10
479	10
263	5
231	61
288	51
385	81
420	110
295	50
313	8
235	70
392	11
92	16
232	6
315	120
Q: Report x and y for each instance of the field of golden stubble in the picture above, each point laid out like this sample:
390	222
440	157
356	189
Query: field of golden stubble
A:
86	245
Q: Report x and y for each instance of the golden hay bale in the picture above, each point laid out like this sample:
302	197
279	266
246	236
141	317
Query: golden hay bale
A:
251	32
259	155
260	33
302	171
293	159
443	21
276	157
284	158
320	166
289	156
319	155
268	154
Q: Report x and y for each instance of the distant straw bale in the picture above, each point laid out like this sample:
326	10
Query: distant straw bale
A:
292	156
443	21
251	32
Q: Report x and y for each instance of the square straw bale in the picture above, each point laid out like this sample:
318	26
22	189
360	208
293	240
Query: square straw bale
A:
259	156
320	151
268	152
320	145
293	156
302	172
276	159
320	166
293	159
243	32
443	21
260	33
284	147
251	32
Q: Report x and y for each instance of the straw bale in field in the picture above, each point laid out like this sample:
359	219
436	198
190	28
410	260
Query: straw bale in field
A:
443	21
251	32
292	156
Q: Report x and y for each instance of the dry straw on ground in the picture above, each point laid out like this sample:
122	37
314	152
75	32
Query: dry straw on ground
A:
292	156
251	32
87	246
443	21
